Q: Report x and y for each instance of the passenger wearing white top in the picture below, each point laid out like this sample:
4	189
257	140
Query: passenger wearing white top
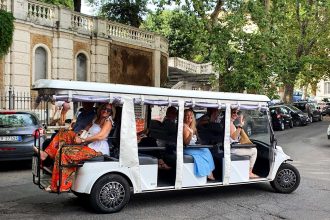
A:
235	136
94	145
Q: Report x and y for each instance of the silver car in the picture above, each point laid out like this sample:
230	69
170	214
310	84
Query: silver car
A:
17	132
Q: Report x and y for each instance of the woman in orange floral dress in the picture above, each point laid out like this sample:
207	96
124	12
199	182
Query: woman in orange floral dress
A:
94	145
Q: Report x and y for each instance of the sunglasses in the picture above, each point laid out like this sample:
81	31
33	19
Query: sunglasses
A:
107	109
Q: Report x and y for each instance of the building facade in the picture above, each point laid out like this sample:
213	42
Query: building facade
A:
52	42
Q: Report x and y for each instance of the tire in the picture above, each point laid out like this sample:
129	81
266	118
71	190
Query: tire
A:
287	179
297	122
328	136
282	126
110	194
291	124
249	130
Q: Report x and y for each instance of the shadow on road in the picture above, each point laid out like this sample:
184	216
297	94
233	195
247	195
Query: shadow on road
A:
15	165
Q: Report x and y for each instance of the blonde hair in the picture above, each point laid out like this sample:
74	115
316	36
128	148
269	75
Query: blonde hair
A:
193	123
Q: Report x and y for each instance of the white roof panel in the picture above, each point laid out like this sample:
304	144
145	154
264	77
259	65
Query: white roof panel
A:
78	87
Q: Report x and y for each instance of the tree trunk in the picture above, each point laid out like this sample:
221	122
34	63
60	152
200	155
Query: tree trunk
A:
288	92
77	5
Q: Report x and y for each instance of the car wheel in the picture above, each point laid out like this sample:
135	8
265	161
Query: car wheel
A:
282	126
297	122
249	130
328	136
287	179
291	124
110	194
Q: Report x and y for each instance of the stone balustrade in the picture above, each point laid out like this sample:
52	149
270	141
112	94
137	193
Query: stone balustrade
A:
3	4
64	19
185	65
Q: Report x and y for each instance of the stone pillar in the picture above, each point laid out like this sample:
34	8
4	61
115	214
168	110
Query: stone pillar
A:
63	56
156	58
100	61
64	19
19	9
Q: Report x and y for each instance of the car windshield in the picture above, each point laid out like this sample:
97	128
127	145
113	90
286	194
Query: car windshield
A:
295	109
10	120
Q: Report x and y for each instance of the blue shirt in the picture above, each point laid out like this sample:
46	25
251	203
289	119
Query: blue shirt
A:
83	119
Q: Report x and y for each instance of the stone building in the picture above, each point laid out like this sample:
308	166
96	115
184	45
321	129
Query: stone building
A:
52	42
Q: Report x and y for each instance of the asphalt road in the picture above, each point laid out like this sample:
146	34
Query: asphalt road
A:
308	146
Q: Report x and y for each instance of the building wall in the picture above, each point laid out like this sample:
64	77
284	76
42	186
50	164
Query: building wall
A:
115	53
131	65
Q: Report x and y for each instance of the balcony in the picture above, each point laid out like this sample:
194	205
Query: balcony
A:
63	19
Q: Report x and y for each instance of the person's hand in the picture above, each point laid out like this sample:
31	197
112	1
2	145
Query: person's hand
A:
242	121
77	140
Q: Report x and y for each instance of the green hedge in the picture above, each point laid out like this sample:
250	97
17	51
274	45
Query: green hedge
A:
6	31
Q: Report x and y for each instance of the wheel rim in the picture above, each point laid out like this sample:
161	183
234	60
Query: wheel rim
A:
286	179
112	195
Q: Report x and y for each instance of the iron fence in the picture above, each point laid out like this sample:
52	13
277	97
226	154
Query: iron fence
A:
24	101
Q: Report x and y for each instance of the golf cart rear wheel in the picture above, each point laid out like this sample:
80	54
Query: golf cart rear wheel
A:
287	179
110	194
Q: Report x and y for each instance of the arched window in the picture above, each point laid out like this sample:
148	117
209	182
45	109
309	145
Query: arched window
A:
40	64
81	67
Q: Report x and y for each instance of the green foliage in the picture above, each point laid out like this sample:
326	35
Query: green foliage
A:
185	33
65	3
6	31
123	11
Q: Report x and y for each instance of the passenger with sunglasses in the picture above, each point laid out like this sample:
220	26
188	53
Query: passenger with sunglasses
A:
236	133
84	120
94	145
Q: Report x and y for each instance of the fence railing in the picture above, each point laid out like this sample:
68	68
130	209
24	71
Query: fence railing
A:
185	65
21	101
61	18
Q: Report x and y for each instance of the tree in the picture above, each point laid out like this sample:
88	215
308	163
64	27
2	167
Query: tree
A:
6	31
66	3
286	40
184	32
124	11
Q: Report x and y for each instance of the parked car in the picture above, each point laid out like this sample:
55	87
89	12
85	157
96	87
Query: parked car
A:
326	109
17	132
255	121
299	117
311	108
281	117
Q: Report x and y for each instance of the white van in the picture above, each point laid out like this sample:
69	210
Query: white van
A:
133	167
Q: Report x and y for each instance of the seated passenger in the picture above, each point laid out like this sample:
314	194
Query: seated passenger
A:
212	116
236	135
203	160
210	127
85	118
94	145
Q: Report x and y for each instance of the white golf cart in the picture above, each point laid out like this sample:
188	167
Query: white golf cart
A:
132	167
